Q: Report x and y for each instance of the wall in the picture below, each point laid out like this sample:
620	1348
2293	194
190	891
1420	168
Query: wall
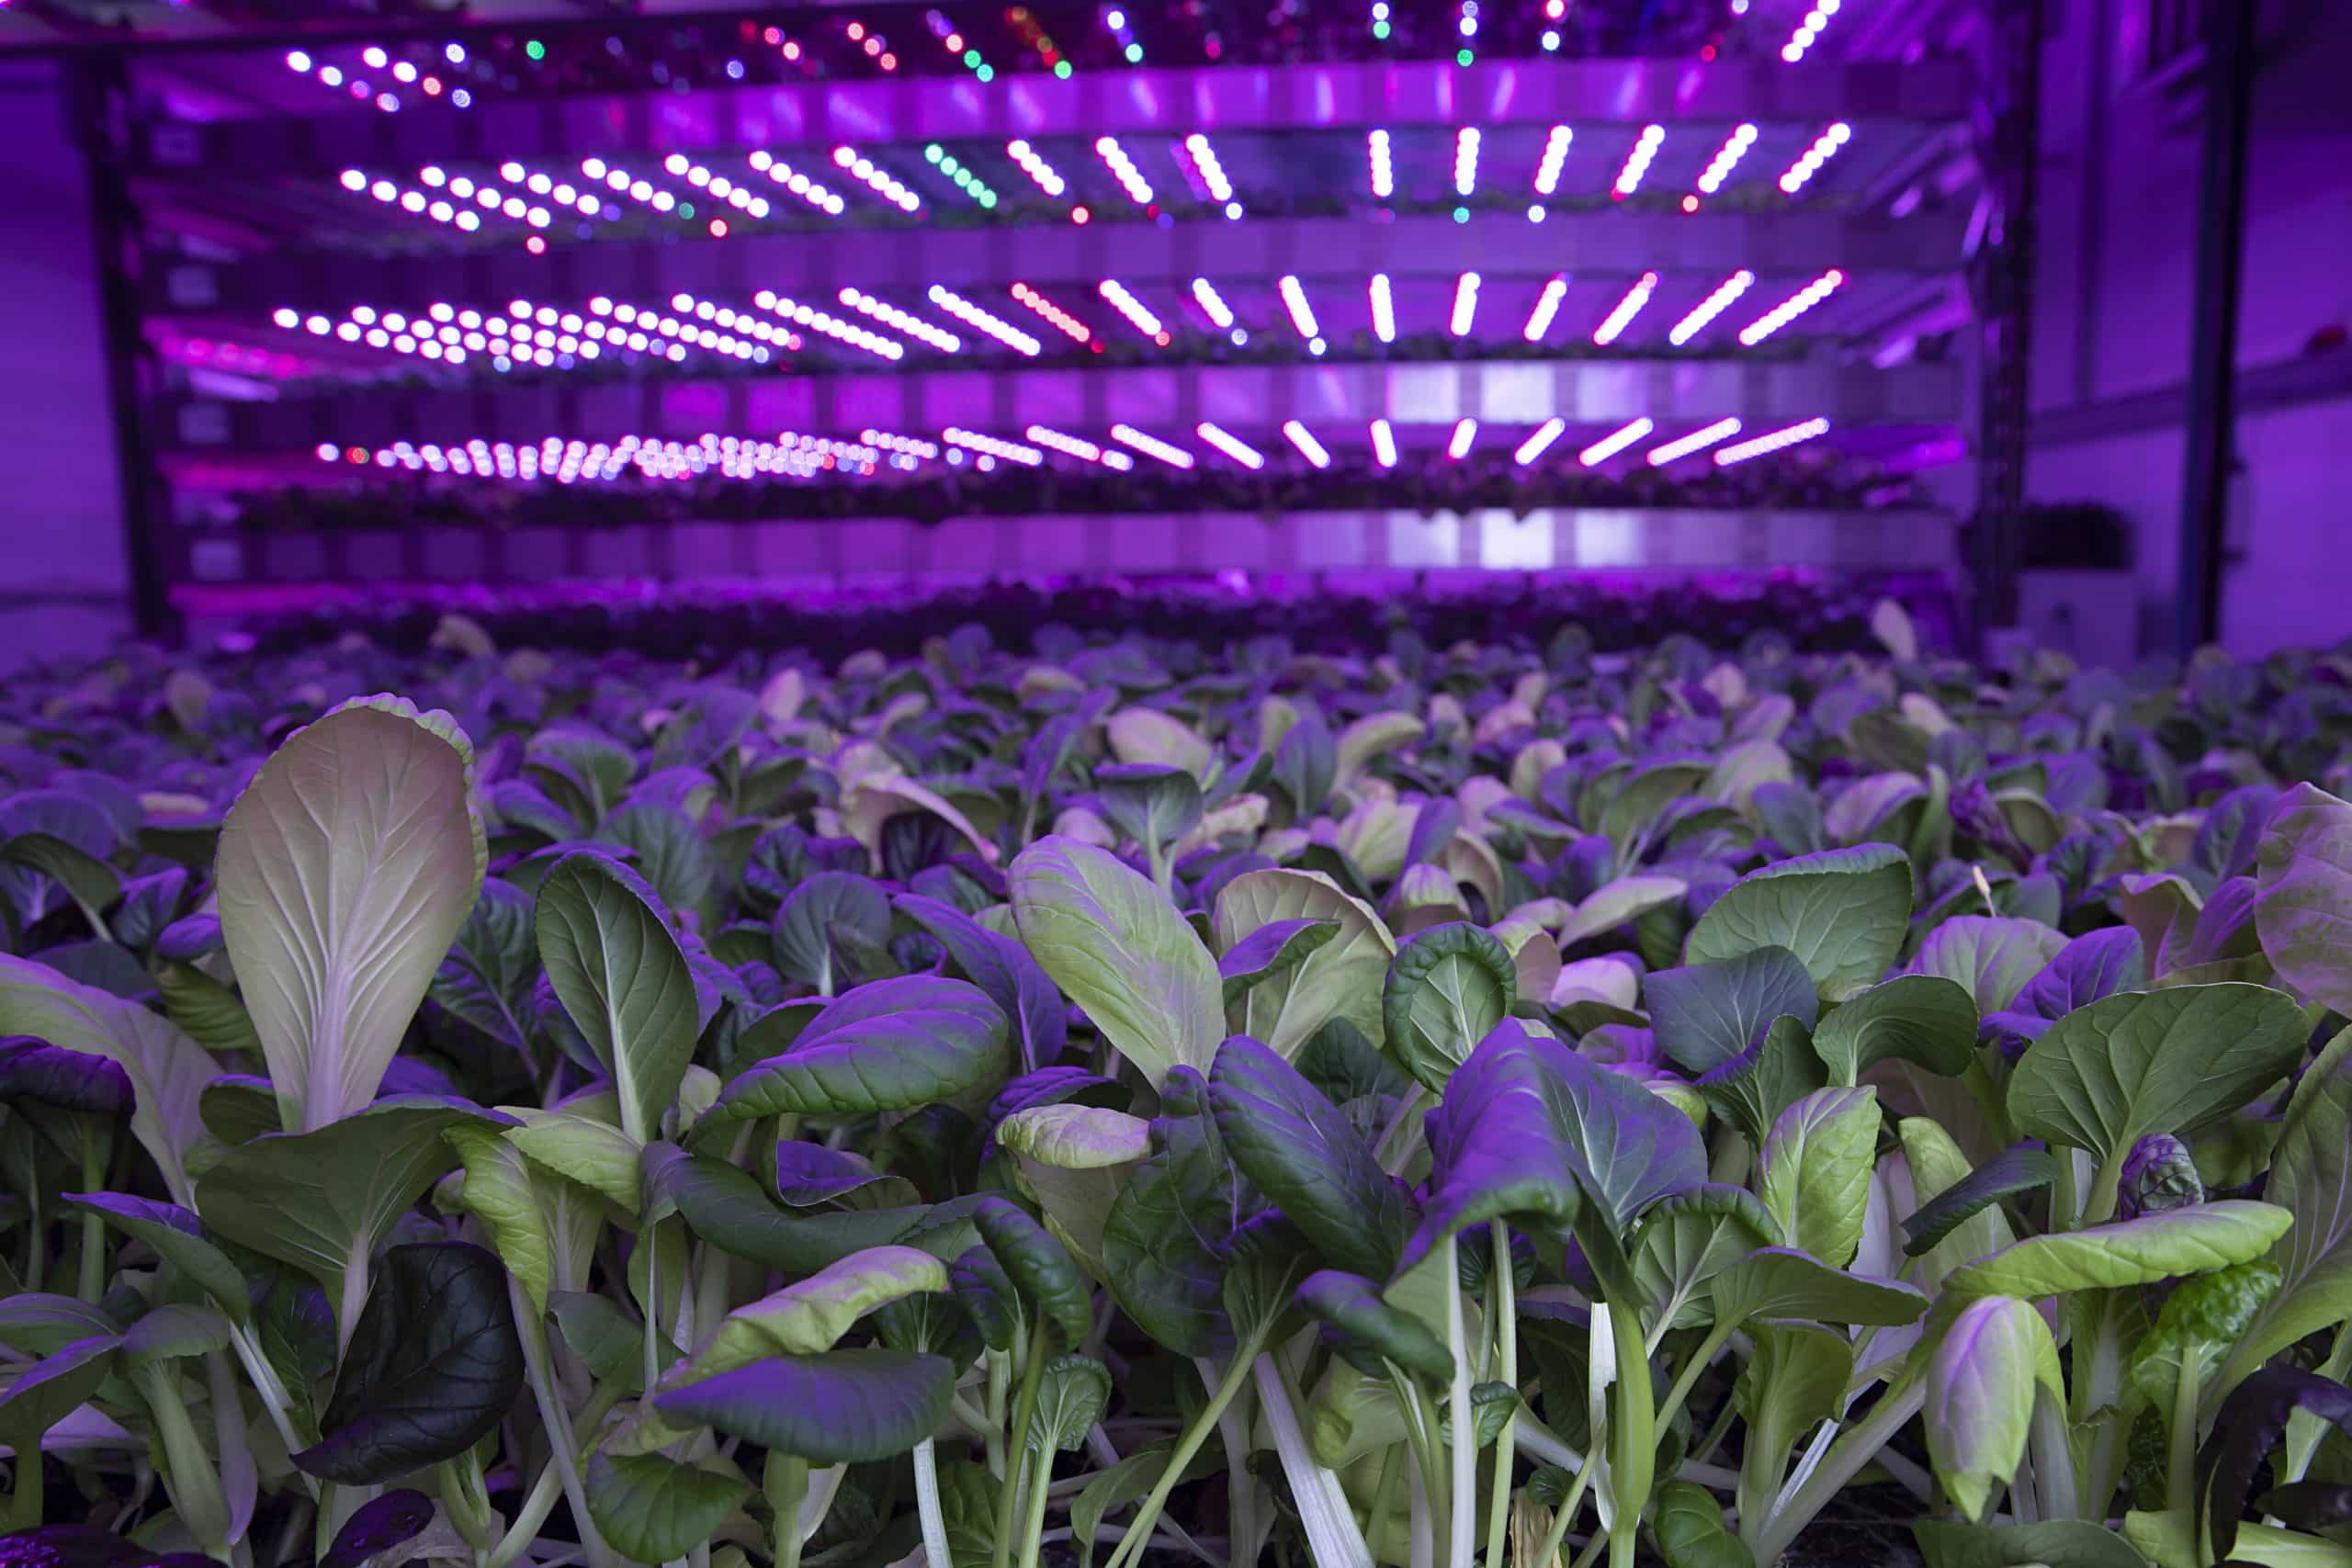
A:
2115	293
63	569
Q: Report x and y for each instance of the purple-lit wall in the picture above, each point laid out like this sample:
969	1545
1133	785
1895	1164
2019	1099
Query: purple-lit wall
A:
2114	297
63	589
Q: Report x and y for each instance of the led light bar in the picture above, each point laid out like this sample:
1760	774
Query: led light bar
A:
1036	168
990	445
1547	305
1302	314
890	315
1212	173
1211	303
954	169
1809	30
1713	305
1384	312
1536	444
811	191
432	204
1637	162
1152	446
719	187
996	326
1067	324
878	178
1304	439
1383	172
698	323
1757	446
909	446
1555	156
1068	444
1789	309
1232	446
832	326
1466	430
1627	309
1465	160
1726	158
1697	441
1465	304
1825	147
1383	443
1138	315
1616	441
1130	178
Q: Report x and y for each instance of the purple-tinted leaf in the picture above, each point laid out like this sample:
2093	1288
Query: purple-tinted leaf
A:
1705	1014
378	1526
37	1076
2251	1422
2097	964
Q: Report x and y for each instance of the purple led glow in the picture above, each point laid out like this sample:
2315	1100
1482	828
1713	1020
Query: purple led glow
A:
1152	446
1383	443
1547	305
1713	305
1623	315
1304	439
1616	441
1637	162
1465	304
1383	310
1757	447
1232	446
996	326
1697	441
1538	443
1789	309
1466	430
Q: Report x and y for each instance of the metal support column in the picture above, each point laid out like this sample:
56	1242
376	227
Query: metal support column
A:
2002	284
99	96
2211	413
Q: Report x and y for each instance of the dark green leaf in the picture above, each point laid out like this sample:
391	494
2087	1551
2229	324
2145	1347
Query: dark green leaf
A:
2021	1168
1446	989
1305	1155
1707	1014
842	1407
892	1045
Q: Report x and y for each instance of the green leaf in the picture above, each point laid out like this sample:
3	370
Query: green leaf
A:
1114	1486
1274	948
2311	1177
326	1200
542	1225
1119	950
90	882
1922	1018
2132	1252
1708	1014
893	1046
1446	990
2201	1322
811	1315
821	913
1815	1170
1339	978
1159	1268
1842	912
1618	903
1372	1328
37	1323
2305	874
623	980
1683	1242
1072	1393
725	1207
1147	735
1795	1379
1152	804
608	1341
579	1140
842	1407
1992	957
1307	1157
1752	1090
2018	1169
2053	1543
1074	1159
176	1235
2106	1075
52	1388
1371	737
345	869
674	858
1036	1263
1981	1386
210	1012
172	1332
1779	1283
655	1509
1691	1532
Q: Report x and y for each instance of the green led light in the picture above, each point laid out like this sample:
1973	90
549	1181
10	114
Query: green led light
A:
1462	215
986	73
536	50
934	152
948	166
963	178
1135	53
971	57
1463	57
988	198
686	209
1062	69
1380	29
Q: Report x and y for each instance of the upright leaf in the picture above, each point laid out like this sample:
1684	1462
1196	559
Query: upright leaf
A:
1815	1170
1981	1388
1446	989
2305	875
1340	978
1841	912
623	980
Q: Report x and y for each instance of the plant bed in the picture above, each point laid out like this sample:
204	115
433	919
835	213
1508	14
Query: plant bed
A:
1151	1097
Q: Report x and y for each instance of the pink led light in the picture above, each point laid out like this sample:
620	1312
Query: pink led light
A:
1627	309
1773	441
1538	443
1637	162
1697	441
1825	147
1232	446
990	445
996	326
1152	446
793	180
1713	305
1383	310
1616	441
1304	439
1556	157
1726	158
1466	430
1044	173
878	178
1465	304
1547	305
1124	168
1383	443
1789	309
1067	324
1135	310
889	315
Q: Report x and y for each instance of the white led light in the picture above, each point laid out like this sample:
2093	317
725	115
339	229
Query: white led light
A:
1466	430
1726	158
1627	309
1637	162
890	315
1555	155
1697	441
1124	168
1465	304
1304	439
1067	324
990	445
1211	303
1465	160
1713	305
1383	172
1535	445
1060	442
1616	441
1383	443
1384	312
877	177
1825	147
799	185
1232	446
1547	305
1302	314
1789	309
996	326
1036	168
1212	172
1152	446
1133	310
1772	442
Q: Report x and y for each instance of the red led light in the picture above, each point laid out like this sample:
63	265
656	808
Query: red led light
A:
956	43
356	454
1163	340
432	85
535	246
1690	204
718	228
774	37
889	62
1707	52
856	31
873	46
1079	215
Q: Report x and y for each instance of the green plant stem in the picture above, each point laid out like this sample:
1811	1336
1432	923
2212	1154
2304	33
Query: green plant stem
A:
1420	1439
1687	1378
1633	1435
1033	1526
36	1247
1854	1448
1548	1555
93	1139
1000	1390
537	1504
1504	1310
564	1447
1016	1462
1155	853
1593	1548
785	1482
1188	1443
1461	1539
2181	1453
927	1508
